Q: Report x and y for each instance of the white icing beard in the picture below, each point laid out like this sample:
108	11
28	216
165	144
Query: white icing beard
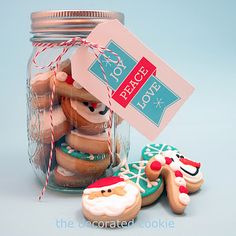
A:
93	117
112	205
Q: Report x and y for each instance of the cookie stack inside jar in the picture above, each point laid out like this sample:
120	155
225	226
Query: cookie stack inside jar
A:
81	151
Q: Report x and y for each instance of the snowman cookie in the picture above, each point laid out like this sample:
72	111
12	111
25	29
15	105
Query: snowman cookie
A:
150	190
111	201
95	144
66	86
66	178
81	163
89	118
181	177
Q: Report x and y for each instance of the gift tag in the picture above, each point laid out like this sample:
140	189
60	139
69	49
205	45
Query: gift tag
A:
145	91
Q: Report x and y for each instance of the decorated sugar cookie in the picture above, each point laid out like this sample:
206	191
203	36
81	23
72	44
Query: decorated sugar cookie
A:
40	126
153	149
150	190
111	200
40	83
96	144
89	118
181	176
70	179
81	163
66	86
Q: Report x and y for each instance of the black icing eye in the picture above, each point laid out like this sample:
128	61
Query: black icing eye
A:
104	111
85	103
103	191
181	156
177	155
91	109
109	190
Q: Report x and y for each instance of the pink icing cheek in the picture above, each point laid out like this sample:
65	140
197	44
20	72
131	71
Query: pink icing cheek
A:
180	181
184	199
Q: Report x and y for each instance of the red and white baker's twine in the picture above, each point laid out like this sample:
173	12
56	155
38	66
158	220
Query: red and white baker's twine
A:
66	45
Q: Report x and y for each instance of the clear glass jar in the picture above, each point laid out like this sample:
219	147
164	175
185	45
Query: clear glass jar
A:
80	154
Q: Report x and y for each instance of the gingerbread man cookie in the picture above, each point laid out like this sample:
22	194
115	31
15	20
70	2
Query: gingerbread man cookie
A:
181	176
150	190
111	200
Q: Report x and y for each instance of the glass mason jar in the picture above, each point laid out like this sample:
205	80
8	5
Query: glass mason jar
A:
80	152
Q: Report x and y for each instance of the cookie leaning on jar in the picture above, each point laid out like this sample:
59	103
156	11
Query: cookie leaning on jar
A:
66	86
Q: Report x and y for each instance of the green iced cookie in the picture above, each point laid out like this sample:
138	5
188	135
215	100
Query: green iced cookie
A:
151	150
136	172
80	155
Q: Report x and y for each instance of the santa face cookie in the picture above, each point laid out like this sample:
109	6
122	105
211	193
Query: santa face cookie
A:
81	163
89	118
43	130
66	178
111	200
150	190
95	144
66	86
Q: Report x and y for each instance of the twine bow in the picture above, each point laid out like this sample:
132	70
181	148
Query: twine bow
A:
66	45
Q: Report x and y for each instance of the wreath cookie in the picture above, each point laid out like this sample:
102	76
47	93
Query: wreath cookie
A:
81	163
95	144
150	190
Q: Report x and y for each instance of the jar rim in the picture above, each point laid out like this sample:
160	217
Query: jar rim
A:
64	23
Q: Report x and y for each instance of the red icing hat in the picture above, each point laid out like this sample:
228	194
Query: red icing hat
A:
104	182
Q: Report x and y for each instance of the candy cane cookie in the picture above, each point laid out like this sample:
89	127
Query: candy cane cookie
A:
176	170
89	118
135	171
